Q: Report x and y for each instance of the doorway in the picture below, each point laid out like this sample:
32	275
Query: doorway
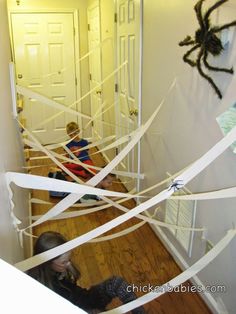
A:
44	55
128	87
118	42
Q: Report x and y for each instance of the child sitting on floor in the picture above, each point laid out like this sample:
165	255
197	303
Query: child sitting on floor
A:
74	146
61	276
104	184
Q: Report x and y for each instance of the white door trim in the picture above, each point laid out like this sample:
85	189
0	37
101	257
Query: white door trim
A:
140	61
95	4
140	90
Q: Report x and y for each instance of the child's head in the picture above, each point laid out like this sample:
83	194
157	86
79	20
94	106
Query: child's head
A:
106	183
72	129
49	240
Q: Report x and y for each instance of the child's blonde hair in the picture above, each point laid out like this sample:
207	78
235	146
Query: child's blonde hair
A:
72	127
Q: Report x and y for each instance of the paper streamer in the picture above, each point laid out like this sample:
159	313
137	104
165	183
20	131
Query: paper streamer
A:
78	213
184	276
94	49
207	158
15	221
57	145
224	193
183	179
71	154
83	97
30	181
101	114
38	259
154	221
119	234
81	212
76	61
42	202
118	142
72	198
97	114
50	102
139	193
78	162
98	142
73	214
122	208
201	263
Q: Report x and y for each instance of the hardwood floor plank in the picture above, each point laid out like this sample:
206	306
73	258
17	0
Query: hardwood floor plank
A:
139	256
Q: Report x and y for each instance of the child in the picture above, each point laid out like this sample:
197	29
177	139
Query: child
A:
104	184
60	275
56	173
75	145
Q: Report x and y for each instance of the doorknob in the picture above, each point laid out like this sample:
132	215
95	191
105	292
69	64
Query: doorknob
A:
19	76
133	112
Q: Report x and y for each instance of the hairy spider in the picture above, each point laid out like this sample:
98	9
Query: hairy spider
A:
207	41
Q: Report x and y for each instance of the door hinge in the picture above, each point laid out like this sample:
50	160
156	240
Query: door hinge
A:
90	76
117	151
92	123
116	88
76	81
115	18
88	27
74	31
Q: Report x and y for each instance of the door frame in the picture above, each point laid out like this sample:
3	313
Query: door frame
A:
140	62
96	3
75	13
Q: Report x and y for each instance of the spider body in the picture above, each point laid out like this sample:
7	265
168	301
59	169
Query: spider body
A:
210	41
207	41
176	185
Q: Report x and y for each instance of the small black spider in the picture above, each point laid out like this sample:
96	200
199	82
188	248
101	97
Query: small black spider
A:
207	41
176	185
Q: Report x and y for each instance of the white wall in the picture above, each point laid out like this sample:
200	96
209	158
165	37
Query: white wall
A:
11	153
108	66
186	127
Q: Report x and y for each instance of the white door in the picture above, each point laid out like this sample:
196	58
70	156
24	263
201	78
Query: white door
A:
95	72
44	55
128	49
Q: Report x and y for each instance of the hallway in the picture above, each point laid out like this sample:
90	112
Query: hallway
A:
139	256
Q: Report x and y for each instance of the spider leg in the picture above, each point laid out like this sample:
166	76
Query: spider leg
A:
210	10
218	29
208	78
186	59
187	41
208	66
198	10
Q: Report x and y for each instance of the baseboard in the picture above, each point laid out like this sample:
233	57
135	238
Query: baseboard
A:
207	297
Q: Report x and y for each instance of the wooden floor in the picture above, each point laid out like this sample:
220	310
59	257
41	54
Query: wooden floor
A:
139	257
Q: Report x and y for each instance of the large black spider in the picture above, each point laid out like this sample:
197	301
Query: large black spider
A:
208	42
